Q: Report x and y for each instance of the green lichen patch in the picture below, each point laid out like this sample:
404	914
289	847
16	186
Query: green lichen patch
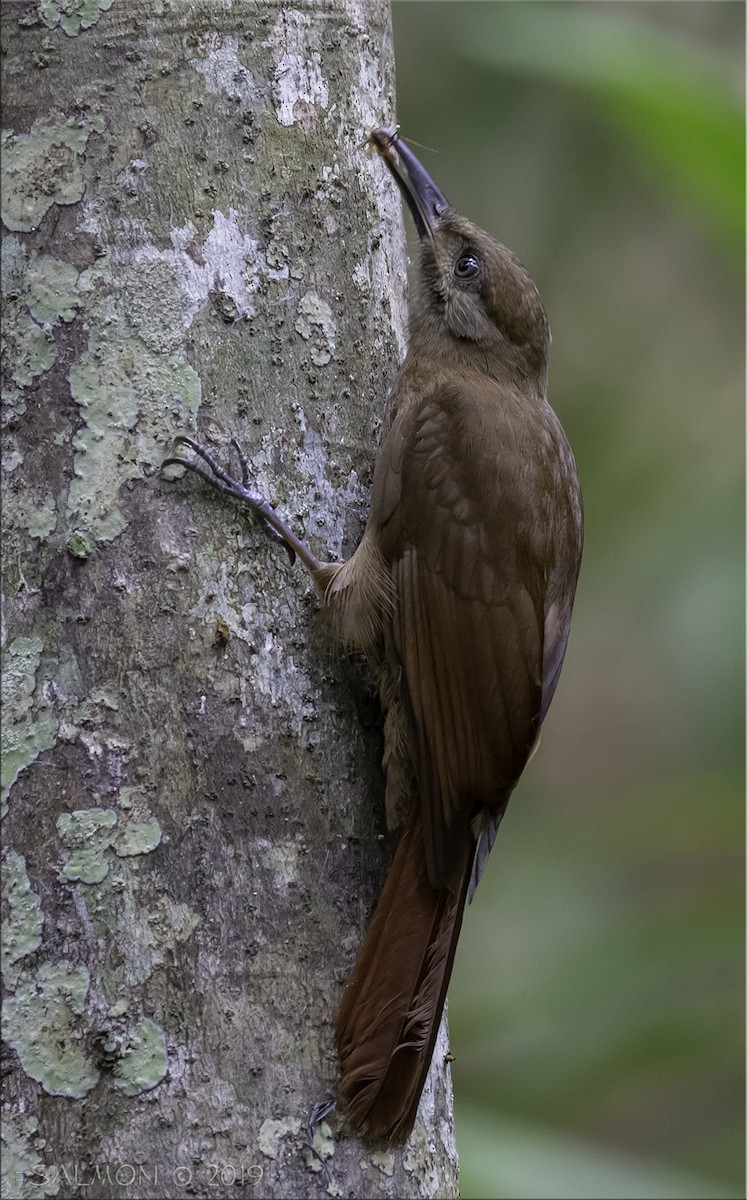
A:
155	303
87	834
272	1132
24	509
384	1160
13	409
43	517
28	349
24	733
37	294
316	325
72	15
79	546
39	1022
127	395
92	494
23	919
51	289
39	169
137	837
143	1062
130	796
22	1168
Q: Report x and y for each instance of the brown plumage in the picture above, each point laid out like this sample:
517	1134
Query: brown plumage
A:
390	1013
474	543
460	594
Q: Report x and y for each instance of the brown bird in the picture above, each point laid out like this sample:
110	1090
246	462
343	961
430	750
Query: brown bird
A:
460	594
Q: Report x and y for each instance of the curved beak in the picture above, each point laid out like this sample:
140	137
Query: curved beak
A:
426	202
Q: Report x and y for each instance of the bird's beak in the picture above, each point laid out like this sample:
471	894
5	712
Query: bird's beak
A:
426	202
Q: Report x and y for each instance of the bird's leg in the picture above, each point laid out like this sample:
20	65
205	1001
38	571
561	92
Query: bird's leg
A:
217	477
320	1110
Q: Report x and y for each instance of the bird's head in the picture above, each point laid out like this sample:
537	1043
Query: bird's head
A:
472	296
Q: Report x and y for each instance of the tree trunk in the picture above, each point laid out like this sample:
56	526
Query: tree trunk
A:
196	239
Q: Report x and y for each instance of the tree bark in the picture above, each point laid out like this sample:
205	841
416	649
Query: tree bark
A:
195	239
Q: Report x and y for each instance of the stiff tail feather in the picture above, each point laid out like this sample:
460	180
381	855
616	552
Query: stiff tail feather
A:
391	1010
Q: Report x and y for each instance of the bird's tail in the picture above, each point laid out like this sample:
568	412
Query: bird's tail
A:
391	1010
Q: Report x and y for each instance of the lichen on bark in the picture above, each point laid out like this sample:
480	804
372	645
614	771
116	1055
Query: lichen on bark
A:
197	241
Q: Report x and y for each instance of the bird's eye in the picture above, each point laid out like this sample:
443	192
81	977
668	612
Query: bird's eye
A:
467	266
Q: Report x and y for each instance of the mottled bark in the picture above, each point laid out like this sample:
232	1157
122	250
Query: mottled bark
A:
195	239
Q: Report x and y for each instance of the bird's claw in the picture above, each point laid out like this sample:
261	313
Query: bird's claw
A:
219	478
319	1111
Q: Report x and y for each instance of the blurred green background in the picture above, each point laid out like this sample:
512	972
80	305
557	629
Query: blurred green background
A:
597	1001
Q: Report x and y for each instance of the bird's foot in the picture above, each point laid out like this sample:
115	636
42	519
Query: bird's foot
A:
320	1110
214	474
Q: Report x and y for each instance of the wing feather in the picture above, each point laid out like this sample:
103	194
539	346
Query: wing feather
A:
468	622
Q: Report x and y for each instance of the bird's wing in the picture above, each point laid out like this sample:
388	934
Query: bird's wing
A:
454	505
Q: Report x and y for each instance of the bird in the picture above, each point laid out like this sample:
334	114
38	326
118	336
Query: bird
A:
460	595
